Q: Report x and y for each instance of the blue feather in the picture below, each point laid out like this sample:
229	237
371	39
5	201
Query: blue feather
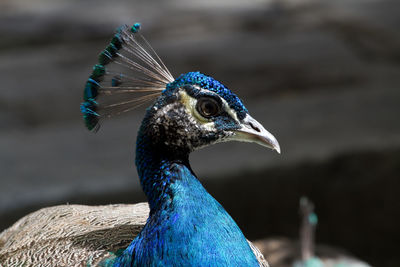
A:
186	225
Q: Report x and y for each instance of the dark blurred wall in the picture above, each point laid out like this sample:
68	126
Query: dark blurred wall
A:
322	76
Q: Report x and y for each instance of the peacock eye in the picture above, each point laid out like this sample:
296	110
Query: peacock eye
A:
208	107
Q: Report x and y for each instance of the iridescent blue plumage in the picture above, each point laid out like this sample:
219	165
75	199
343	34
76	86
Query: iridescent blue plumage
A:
209	83
186	225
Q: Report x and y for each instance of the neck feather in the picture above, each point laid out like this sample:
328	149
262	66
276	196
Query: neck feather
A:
153	162
186	226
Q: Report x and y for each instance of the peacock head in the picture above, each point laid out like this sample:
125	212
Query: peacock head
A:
195	110
187	113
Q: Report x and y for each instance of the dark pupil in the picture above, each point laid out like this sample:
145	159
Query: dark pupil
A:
208	107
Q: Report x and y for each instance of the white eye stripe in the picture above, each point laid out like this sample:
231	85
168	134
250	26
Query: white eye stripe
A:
191	104
229	110
225	104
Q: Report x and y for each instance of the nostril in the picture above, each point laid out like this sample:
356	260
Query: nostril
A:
254	127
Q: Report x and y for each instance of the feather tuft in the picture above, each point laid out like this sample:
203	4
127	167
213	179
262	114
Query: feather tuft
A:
129	73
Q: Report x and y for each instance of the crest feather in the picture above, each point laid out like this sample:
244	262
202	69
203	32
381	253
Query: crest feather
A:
129	73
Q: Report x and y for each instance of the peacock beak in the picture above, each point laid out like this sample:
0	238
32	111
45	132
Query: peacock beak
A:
252	131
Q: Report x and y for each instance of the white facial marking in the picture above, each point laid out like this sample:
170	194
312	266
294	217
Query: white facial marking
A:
190	105
230	111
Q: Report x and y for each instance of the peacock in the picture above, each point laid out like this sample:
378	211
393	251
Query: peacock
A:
182	224
305	253
307	243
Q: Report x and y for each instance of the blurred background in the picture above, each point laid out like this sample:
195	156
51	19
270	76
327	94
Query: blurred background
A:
322	76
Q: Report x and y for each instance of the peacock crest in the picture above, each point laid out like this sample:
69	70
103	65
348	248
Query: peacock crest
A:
129	73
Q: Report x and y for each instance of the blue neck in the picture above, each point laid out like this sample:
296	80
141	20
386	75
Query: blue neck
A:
153	162
187	226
